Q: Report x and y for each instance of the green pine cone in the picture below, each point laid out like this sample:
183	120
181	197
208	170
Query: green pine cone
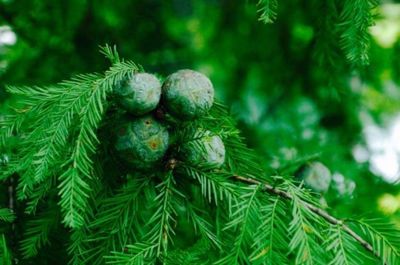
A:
316	176
142	142
187	94
139	94
206	150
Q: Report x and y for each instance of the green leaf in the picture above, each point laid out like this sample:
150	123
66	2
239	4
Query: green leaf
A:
37	233
305	230
344	247
161	223
135	254
74	194
6	215
116	220
201	225
268	10
74	186
243	220
271	240
5	254
356	19
110	53
384	238
214	186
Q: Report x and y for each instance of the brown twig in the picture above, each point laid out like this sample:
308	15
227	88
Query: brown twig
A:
272	190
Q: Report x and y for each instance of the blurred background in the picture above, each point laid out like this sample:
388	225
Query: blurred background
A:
295	96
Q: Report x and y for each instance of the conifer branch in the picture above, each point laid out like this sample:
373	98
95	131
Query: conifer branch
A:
119	230
244	217
220	188
329	218
37	233
75	248
134	254
356	18
5	254
270	242
110	53
382	238
201	225
161	222
303	229
113	225
268	10
6	215
340	243
38	195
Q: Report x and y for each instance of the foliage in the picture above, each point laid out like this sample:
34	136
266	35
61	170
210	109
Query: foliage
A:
385	242
294	88
356	19
268	10
5	254
119	229
70	111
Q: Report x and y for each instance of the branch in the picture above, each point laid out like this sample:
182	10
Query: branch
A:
329	218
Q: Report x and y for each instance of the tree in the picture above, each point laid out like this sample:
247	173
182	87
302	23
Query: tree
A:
76	191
